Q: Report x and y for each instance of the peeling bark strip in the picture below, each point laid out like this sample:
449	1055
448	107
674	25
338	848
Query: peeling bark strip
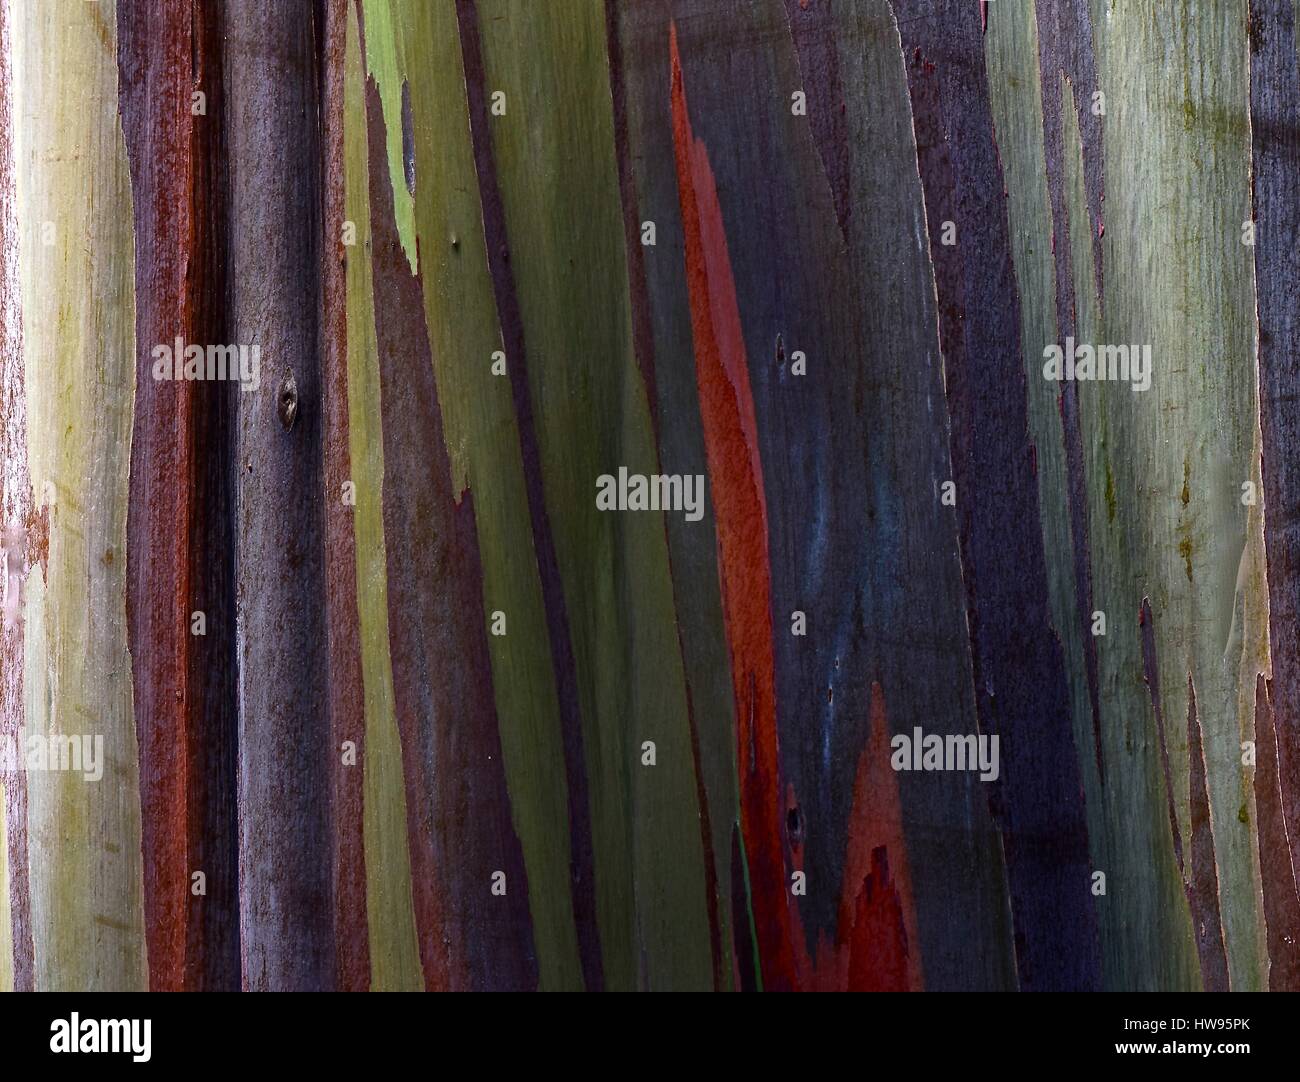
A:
1151	673
285	780
1020	685
180	554
1275	133
458	807
582	865
1203	885
1201	881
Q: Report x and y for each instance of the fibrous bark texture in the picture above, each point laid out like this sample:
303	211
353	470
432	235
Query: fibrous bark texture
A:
649	494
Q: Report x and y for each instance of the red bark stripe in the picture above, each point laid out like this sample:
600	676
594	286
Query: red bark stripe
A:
736	479
179	523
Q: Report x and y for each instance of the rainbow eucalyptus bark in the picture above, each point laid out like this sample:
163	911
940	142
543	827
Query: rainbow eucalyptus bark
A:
391	694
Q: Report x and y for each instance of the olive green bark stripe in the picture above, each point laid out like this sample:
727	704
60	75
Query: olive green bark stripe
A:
557	172
484	448
385	60
394	952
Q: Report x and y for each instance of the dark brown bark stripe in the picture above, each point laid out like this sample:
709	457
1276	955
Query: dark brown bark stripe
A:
213	942
285	775
1203	883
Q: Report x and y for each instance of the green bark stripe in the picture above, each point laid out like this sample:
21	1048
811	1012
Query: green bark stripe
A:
556	167
394	953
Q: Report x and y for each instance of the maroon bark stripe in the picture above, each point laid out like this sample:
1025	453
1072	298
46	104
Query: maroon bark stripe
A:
582	872
1203	885
1151	673
458	804
1021	692
1277	881
154	76
346	691
178	519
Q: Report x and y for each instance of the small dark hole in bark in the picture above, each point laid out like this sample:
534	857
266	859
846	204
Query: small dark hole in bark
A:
794	823
287	402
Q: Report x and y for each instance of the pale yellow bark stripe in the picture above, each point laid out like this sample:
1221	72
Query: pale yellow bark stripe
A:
78	309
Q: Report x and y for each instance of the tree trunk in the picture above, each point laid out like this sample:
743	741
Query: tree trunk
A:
361	667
